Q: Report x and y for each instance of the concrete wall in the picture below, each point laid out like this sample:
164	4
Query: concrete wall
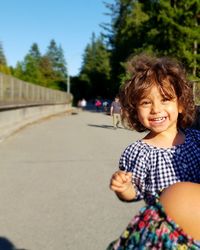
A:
14	119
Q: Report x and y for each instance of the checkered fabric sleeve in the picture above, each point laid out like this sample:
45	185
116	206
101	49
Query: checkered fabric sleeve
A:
157	168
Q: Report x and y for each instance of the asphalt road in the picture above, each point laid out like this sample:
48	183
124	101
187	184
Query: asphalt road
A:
54	184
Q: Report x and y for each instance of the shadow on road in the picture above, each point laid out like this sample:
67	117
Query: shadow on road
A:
104	126
6	244
101	126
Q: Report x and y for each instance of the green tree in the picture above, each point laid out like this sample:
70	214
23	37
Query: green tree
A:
46	70
95	70
2	55
3	63
57	60
18	71
161	27
125	33
31	64
173	30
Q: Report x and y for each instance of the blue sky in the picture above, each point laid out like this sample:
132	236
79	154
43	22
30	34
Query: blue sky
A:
69	22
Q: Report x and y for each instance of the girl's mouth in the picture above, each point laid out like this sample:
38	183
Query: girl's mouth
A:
158	119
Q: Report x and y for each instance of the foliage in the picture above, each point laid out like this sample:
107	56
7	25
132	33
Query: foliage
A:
3	63
95	71
47	70
57	61
161	27
173	30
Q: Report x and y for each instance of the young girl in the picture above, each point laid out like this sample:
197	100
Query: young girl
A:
158	99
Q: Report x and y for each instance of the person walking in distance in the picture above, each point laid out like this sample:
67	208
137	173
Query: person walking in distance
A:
115	111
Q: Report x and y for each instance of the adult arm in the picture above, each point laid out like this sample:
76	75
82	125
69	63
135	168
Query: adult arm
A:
182	204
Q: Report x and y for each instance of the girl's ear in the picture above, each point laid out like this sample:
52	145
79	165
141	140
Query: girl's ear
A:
180	108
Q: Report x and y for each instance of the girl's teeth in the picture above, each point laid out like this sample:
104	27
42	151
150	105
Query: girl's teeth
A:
159	119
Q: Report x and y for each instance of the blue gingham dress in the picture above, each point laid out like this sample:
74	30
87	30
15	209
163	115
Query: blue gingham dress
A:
157	168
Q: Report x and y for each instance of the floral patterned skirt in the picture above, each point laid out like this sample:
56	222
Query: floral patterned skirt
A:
152	229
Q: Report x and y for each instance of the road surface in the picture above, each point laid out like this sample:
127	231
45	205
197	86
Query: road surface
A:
54	184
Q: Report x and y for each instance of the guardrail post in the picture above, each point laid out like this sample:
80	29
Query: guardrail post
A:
12	89
20	90
1	87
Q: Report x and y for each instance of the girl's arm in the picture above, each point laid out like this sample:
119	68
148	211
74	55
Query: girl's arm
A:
127	195
121	184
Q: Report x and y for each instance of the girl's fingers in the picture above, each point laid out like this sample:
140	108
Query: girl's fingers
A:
121	175
115	183
118	189
129	176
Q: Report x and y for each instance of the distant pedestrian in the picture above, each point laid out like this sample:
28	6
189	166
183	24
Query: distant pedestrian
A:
98	105
115	112
105	106
83	103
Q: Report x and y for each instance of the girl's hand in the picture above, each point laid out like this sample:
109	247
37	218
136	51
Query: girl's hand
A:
121	181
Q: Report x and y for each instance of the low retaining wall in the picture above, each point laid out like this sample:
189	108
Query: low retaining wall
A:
14	119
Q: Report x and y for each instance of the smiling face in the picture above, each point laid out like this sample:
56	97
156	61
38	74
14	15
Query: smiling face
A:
157	111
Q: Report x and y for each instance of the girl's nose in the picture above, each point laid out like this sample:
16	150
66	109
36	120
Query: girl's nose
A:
155	108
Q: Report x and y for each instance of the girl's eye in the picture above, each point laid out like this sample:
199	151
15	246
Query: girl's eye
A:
166	99
145	103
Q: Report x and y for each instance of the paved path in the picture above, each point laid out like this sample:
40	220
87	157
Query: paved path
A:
54	178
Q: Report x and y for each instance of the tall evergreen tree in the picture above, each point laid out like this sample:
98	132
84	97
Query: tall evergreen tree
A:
2	55
57	59
125	34
161	27
173	30
46	70
3	62
31	67
95	69
18	71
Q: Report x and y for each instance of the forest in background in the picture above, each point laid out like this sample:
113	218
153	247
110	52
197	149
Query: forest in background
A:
159	27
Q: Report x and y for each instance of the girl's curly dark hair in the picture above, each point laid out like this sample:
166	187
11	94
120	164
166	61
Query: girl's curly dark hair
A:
168	75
